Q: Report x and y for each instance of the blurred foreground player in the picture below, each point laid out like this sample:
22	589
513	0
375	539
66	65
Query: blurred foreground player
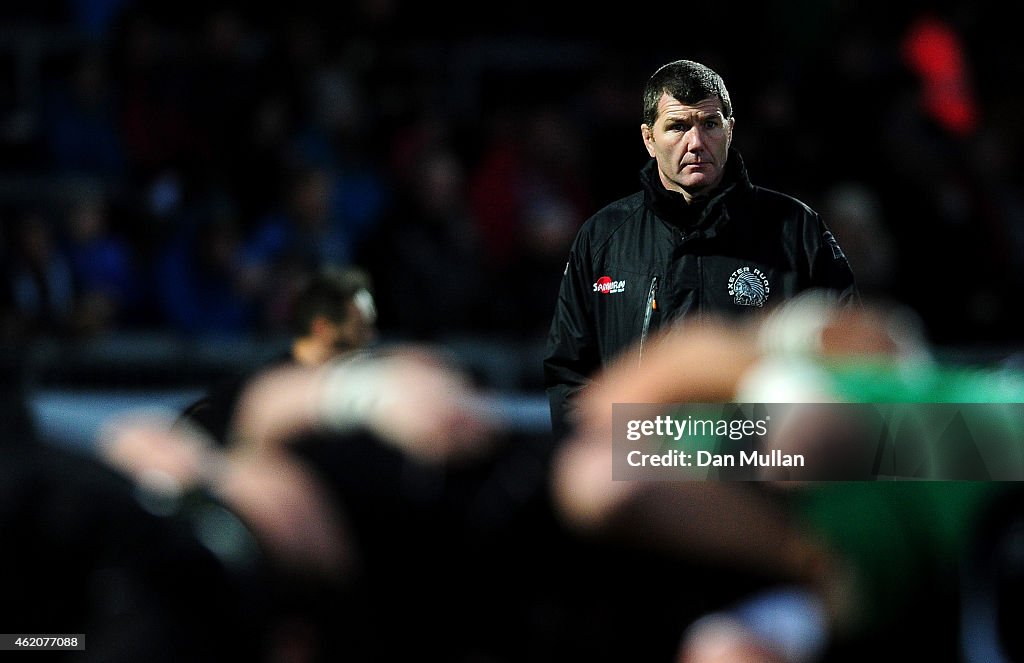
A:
84	551
873	566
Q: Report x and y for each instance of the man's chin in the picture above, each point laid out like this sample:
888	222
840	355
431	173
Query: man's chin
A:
696	189
699	184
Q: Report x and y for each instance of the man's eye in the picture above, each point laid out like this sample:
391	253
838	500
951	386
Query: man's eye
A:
711	124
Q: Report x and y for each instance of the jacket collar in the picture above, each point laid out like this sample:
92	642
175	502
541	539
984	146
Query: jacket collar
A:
673	208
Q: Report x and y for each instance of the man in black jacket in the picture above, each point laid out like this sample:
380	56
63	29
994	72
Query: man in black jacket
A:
698	239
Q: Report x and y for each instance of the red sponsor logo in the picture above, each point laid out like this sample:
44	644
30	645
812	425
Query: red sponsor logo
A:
605	285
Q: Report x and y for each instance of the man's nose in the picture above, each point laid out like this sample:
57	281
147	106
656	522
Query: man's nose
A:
696	140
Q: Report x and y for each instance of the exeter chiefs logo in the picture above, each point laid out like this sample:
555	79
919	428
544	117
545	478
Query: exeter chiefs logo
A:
749	287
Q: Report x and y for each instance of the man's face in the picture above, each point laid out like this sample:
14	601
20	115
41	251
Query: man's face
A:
690	143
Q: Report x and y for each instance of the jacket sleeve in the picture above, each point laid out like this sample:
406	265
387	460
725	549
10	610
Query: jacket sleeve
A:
572	352
829	267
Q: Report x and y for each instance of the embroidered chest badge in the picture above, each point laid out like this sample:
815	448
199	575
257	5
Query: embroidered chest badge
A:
606	286
749	286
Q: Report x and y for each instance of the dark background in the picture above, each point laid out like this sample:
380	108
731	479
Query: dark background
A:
160	161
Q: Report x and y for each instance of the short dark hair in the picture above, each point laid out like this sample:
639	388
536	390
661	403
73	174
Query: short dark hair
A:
686	81
327	293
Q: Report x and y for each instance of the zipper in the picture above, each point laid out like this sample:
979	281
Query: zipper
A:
652	306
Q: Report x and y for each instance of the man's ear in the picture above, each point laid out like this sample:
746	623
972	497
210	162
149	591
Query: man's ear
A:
648	136
732	123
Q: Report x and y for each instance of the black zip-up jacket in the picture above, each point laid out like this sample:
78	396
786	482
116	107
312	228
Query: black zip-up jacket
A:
650	257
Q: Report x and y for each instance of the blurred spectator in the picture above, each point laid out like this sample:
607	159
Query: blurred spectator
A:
10	316
200	283
335	136
150	72
425	257
223	60
42	281
82	123
533	154
103	264
297	47
854	212
303	236
257	175
548	188
528	286
337	118
999	210
95	18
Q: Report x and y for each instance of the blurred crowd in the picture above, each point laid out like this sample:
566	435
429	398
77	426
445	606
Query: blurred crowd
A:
184	167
